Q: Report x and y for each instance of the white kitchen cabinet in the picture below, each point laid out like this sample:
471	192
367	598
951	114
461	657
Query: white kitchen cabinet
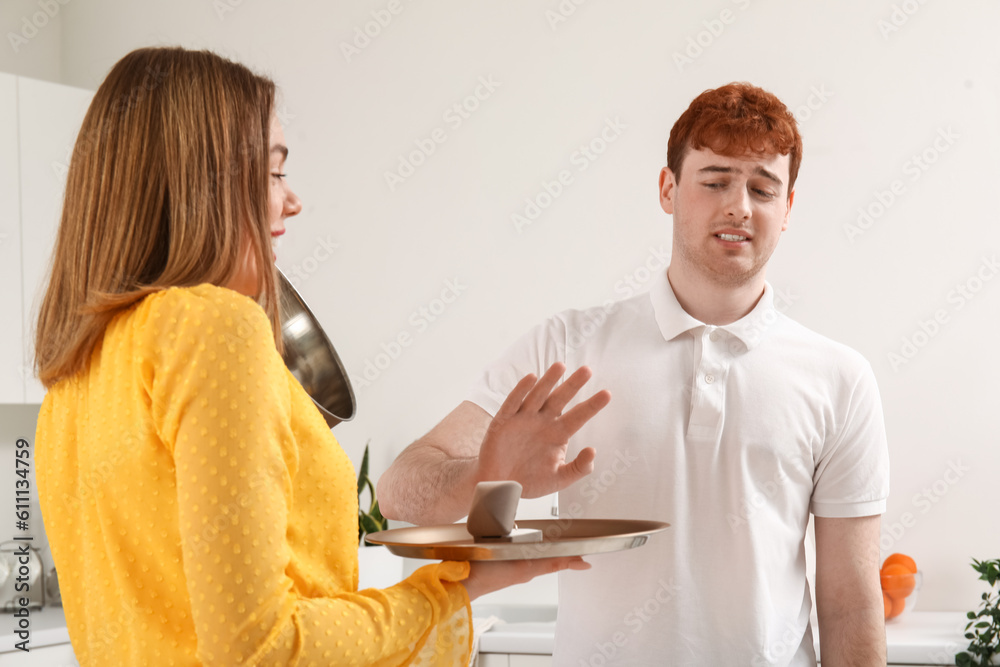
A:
530	660
11	349
511	660
50	116
39	121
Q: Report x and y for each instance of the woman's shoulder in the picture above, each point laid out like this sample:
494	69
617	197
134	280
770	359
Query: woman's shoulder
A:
198	296
204	312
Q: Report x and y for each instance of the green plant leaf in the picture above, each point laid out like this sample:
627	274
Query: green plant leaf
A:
963	659
371	491
363	471
376	514
369	524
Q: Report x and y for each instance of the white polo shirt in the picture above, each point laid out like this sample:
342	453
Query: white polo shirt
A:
731	434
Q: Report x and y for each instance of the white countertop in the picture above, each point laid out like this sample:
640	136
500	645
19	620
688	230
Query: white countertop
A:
918	638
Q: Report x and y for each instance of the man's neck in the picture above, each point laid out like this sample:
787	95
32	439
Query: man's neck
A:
713	303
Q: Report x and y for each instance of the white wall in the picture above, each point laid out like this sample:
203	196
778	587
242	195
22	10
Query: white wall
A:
878	98
32	31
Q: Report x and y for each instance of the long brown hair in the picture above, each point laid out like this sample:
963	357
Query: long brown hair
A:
167	185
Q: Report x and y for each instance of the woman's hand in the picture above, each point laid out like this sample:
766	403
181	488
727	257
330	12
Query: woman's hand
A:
488	576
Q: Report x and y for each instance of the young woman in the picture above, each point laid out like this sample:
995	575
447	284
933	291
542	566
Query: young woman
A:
198	508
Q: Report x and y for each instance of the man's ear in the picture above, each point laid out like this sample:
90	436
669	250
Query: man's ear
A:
788	210
668	190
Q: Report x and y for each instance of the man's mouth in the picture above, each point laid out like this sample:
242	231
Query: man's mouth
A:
731	237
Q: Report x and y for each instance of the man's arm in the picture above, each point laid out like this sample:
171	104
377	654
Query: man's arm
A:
433	479
848	593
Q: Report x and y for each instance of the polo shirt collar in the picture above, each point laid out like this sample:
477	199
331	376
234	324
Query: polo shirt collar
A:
673	320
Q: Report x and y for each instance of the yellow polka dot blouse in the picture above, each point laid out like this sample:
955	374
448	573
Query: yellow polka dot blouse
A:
200	512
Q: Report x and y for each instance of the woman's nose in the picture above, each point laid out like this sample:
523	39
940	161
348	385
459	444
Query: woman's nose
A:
292	204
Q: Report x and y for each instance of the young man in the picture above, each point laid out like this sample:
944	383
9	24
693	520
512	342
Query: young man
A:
729	421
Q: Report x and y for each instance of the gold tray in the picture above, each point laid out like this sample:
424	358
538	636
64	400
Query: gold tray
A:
560	537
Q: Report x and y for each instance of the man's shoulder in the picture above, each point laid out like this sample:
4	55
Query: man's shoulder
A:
608	313
793	337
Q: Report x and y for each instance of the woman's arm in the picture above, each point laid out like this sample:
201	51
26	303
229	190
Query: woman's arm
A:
221	401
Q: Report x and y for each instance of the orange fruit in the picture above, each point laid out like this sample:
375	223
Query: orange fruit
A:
893	608
897	581
901	559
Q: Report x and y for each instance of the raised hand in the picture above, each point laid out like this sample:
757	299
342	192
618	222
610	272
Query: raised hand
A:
528	437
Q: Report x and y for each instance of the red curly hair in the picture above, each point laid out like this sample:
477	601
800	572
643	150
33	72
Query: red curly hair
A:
735	120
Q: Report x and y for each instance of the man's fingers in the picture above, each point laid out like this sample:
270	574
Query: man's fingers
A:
573	420
565	392
536	397
578	468
513	401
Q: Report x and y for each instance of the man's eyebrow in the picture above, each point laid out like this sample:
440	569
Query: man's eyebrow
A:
760	171
280	148
716	169
768	175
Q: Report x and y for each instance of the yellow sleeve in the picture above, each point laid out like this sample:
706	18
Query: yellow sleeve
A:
220	400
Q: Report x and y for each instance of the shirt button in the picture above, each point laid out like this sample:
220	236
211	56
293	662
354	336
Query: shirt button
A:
714	336
709	378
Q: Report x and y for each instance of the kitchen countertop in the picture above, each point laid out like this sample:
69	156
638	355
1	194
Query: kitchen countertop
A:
918	638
